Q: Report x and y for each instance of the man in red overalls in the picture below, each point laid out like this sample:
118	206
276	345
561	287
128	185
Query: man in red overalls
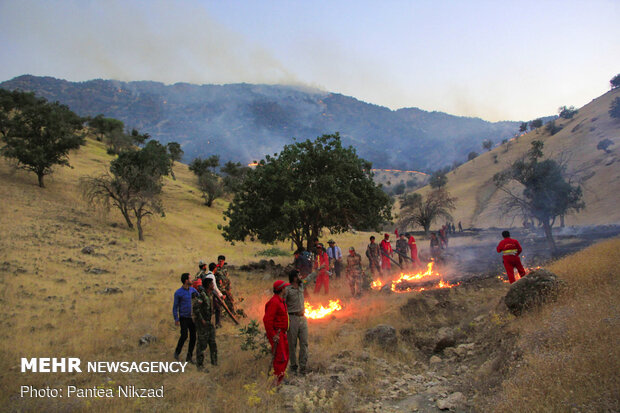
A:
276	325
321	265
511	249
386	253
414	250
443	237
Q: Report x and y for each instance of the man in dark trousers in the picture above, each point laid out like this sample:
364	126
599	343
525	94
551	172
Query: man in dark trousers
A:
510	250
182	313
217	308
401	249
202	309
223	282
303	262
276	324
335	257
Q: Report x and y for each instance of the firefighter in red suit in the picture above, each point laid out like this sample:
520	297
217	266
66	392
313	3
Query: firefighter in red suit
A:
510	250
321	265
276	325
414	250
386	253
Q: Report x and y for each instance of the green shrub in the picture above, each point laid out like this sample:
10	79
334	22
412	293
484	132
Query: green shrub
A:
254	340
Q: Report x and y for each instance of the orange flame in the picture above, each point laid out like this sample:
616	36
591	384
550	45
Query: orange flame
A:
253	164
504	276
321	312
502	279
395	287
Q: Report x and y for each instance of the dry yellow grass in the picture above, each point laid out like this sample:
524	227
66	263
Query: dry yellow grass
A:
571	355
53	307
478	200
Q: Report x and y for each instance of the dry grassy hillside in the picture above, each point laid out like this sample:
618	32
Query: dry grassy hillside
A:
599	172
56	304
54	295
570	356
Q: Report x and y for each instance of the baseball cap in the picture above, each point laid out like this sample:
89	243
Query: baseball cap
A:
279	285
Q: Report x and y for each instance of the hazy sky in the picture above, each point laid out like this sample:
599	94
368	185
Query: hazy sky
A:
495	59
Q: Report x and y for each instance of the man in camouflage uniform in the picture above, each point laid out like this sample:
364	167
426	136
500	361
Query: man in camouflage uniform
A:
202	309
202	270
223	281
373	254
401	249
354	272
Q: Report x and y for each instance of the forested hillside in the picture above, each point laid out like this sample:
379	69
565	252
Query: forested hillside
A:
243	122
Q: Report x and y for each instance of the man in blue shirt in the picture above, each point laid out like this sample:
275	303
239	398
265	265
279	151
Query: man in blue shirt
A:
182	313
335	257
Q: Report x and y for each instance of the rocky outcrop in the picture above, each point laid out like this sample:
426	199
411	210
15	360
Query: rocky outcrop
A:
452	402
532	290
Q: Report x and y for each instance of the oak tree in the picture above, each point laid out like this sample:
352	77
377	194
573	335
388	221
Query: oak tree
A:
37	134
539	188
308	186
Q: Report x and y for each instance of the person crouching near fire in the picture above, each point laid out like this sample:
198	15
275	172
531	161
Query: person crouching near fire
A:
510	250
276	324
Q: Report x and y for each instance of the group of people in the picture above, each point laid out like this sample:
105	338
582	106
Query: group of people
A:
380	256
198	301
285	324
195	305
325	262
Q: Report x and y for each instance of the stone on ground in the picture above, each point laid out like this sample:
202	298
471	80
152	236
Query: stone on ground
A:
532	290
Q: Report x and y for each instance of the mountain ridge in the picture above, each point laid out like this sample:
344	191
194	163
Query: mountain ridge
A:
244	122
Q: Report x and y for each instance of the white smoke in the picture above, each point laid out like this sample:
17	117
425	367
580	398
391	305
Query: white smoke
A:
167	41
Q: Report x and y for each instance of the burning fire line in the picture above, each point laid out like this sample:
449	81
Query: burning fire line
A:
504	277
401	284
321	312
